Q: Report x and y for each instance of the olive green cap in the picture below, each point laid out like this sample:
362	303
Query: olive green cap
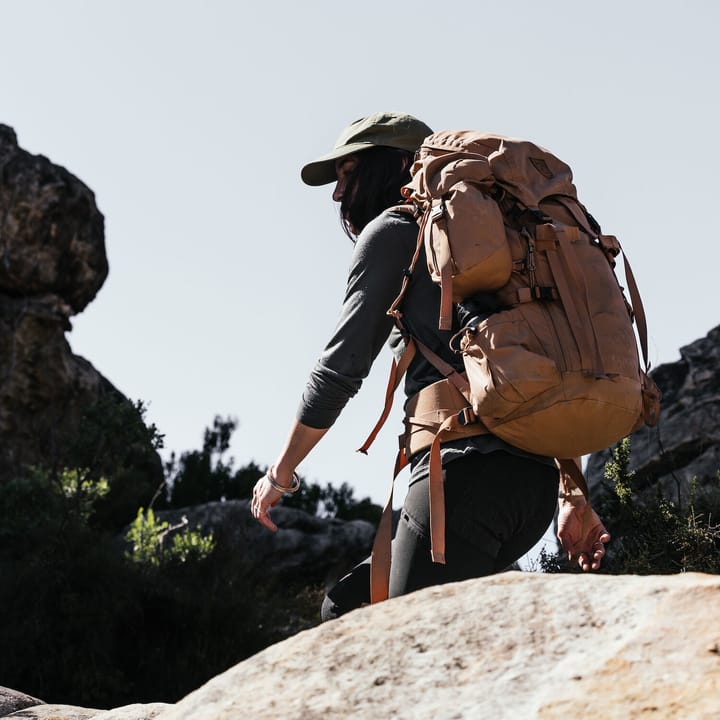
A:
384	129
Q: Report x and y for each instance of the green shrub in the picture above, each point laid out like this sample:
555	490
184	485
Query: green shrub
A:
148	539
88	626
655	535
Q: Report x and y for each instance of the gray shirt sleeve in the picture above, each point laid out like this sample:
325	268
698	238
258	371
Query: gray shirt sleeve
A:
382	251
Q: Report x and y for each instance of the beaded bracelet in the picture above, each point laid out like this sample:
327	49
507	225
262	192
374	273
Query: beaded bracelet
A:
294	482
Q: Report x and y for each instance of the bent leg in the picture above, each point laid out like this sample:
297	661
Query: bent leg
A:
498	505
351	591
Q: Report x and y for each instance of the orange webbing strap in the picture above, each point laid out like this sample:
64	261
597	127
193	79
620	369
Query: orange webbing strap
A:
397	372
638	310
578	213
440	244
568	279
453	425
445	369
382	545
570	469
393	310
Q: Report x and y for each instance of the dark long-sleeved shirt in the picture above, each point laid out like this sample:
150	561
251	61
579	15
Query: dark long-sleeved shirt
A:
382	253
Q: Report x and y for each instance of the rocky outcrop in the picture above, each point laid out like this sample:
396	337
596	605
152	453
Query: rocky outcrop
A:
515	645
52	264
11	700
685	444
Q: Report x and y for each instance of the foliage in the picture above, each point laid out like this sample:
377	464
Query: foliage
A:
68	598
114	442
655	536
149	544
201	476
333	502
80	564
81	492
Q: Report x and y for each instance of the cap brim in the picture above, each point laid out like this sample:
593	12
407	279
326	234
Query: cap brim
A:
322	171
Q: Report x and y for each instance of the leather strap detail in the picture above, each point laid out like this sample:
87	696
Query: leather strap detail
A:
394	309
397	372
428	409
459	380
451	429
570	471
440	244
382	545
568	278
439	412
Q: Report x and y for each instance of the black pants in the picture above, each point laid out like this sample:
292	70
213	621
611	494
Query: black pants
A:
497	506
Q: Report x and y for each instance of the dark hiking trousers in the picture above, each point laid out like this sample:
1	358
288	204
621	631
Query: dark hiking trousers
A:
497	506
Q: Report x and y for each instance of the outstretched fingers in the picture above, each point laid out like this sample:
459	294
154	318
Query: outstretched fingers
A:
592	559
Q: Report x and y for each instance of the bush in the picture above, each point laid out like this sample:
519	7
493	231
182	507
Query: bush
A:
150	544
660	536
656	536
87	626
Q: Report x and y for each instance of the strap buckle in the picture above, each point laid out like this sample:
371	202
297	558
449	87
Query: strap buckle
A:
467	416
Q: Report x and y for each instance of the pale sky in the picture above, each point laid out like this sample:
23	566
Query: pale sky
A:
190	120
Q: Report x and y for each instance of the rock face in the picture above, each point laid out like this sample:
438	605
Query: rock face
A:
515	645
52	232
52	264
304	547
685	444
10	701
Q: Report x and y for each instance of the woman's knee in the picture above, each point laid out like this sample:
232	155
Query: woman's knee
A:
350	593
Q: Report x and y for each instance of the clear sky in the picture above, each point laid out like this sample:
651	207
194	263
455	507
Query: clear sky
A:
190	120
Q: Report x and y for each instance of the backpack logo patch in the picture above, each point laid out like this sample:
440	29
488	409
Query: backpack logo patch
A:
542	167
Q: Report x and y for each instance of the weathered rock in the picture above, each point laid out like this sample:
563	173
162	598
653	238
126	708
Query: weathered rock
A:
52	239
43	386
514	645
12	700
56	712
136	711
52	264
305	546
686	442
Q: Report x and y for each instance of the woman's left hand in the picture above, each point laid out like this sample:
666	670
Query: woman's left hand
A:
581	533
265	496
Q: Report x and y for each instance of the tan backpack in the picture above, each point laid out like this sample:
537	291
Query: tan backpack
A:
556	370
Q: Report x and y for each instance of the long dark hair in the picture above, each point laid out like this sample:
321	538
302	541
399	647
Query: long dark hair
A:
374	186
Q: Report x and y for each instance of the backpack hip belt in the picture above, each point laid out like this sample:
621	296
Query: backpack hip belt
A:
427	410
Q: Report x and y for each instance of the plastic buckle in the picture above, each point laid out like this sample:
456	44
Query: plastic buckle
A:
437	211
467	416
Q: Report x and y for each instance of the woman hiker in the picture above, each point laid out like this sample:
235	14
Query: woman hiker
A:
499	500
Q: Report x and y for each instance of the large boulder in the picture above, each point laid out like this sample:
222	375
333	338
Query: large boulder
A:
52	231
13	700
685	444
515	645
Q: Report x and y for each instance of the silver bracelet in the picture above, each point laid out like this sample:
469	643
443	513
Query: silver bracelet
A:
294	482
